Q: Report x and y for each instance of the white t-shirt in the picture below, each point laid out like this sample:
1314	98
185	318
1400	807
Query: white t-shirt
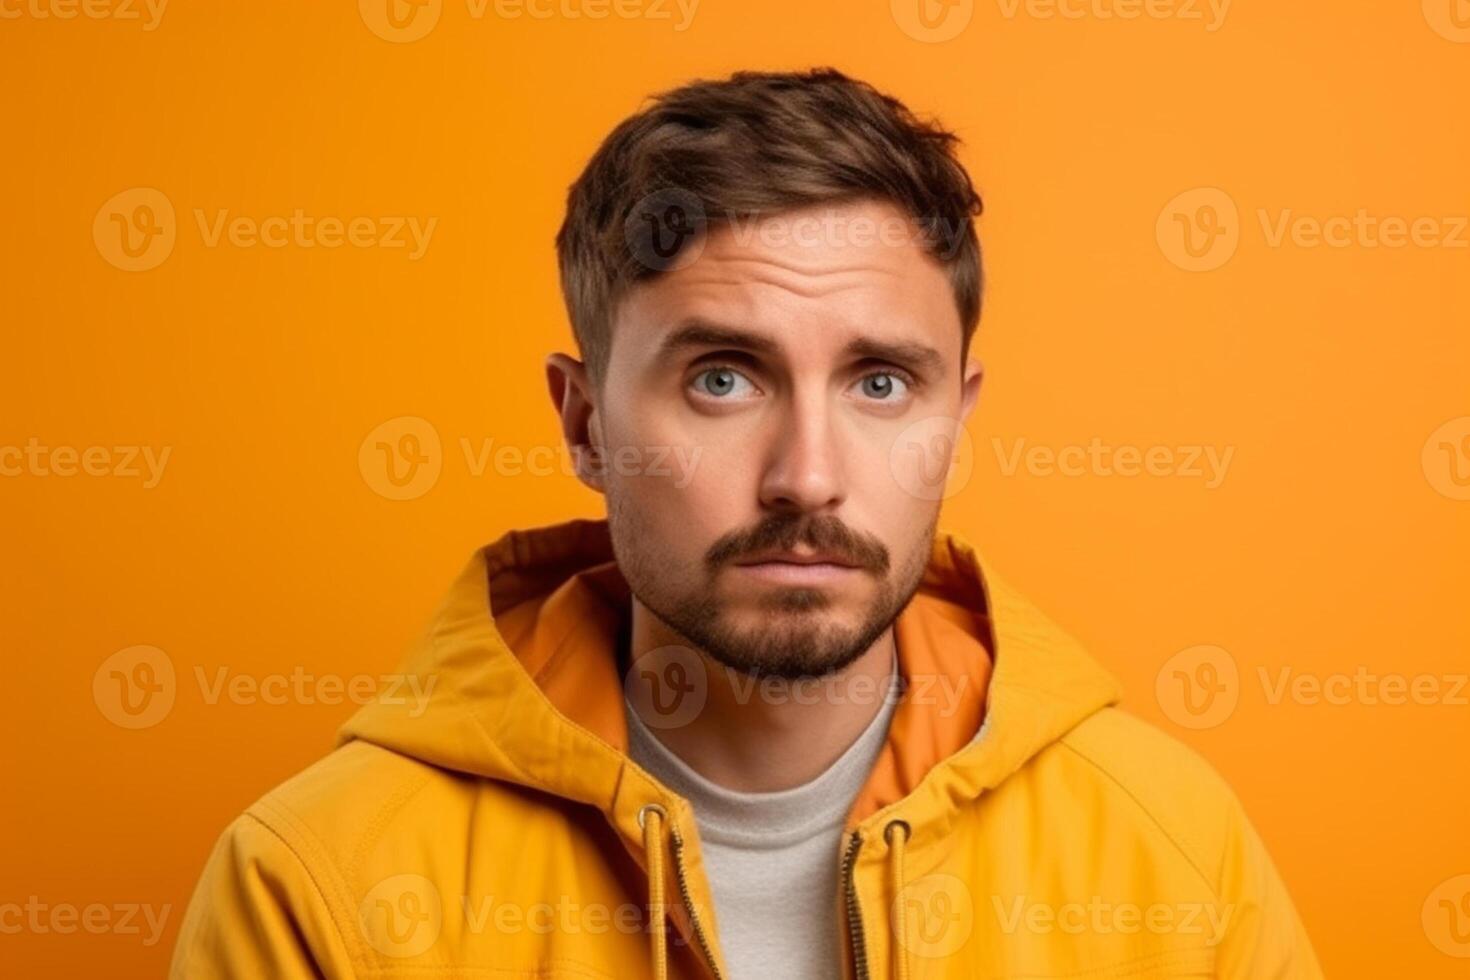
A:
773	859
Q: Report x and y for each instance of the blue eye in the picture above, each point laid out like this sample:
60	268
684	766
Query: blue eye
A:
881	385
720	382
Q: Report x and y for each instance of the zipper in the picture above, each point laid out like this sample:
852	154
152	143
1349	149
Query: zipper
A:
854	911
699	934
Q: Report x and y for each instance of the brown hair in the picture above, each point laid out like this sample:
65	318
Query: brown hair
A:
755	144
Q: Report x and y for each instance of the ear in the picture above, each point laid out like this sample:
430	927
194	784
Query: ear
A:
970	387
571	396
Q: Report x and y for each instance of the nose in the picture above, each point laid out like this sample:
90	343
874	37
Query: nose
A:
805	472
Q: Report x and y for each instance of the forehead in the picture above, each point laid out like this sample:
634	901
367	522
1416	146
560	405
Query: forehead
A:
814	278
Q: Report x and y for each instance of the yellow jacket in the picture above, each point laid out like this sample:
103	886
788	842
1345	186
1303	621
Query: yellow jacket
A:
1015	825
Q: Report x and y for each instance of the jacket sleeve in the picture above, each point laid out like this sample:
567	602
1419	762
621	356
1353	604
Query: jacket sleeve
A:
1264	938
258	912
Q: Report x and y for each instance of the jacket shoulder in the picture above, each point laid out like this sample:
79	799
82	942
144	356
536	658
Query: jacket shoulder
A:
341	805
1189	803
280	892
1169	783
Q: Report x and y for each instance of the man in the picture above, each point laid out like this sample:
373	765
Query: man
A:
765	721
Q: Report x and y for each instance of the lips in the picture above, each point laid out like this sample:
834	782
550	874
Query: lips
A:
797	558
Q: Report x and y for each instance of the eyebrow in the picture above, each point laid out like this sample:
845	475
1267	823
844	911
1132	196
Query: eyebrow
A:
703	333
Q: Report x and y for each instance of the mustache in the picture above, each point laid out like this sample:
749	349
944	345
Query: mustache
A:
786	531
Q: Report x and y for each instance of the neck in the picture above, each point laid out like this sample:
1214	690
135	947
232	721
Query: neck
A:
745	723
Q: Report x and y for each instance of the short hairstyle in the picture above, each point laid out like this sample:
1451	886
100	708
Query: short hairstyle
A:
753	145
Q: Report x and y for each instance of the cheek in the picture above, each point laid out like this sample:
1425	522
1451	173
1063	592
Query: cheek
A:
923	458
681	489
890	483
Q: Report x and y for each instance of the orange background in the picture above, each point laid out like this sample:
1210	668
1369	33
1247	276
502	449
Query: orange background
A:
1330	545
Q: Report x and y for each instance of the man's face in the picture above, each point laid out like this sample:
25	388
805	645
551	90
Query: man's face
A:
789	378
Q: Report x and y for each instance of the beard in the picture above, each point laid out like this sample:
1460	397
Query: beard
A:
793	641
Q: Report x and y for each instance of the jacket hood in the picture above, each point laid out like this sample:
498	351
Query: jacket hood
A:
1008	783
523	683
